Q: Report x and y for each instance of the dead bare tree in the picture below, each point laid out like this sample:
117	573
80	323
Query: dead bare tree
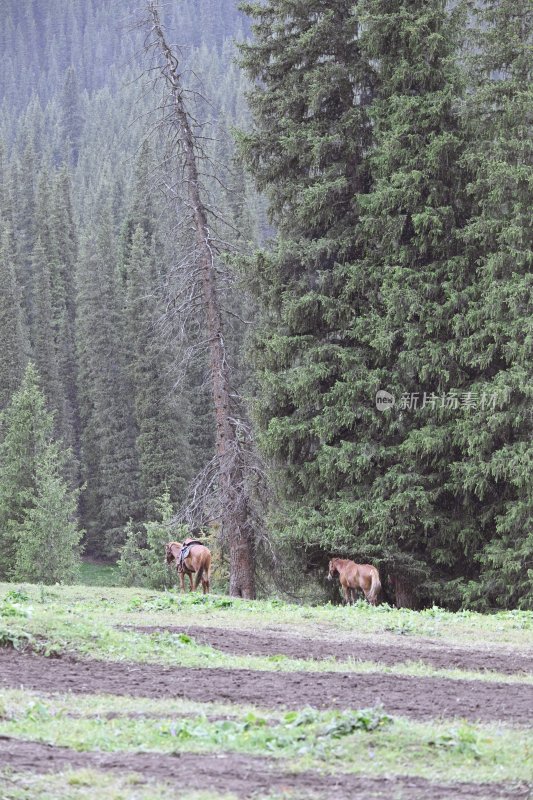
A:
231	434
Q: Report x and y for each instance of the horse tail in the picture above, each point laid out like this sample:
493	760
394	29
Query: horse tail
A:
375	587
199	575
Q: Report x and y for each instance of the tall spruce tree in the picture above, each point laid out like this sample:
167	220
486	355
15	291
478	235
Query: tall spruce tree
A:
71	116
110	460
23	177
411	222
26	430
44	338
161	418
494	330
12	335
308	151
63	254
48	540
365	279
39	535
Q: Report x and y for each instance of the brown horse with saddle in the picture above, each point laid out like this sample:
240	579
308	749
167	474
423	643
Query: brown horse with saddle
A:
191	556
354	576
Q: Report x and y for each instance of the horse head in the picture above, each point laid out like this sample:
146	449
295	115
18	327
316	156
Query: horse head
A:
332	568
171	551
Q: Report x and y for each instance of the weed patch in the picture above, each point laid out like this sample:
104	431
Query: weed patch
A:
18	640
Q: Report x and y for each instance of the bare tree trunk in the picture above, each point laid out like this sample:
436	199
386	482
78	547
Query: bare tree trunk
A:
235	512
404	593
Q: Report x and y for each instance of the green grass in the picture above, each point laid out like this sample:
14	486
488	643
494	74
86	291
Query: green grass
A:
330	741
95	574
89	620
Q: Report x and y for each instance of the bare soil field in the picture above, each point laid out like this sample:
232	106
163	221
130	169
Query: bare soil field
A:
273	642
243	775
269	698
414	697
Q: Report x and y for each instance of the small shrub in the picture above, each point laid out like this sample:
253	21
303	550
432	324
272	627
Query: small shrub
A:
10	608
295	719
142	558
462	739
366	719
17	640
17	596
404	627
37	711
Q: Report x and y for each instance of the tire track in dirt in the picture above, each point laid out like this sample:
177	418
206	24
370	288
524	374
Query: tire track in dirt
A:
241	774
267	643
415	697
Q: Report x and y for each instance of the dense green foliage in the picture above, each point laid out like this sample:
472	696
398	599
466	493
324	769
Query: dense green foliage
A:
307	152
39	533
398	185
495	327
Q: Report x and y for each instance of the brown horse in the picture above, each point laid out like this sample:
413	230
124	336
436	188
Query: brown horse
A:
198	561
354	576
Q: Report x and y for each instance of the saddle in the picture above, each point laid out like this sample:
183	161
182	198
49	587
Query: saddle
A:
184	552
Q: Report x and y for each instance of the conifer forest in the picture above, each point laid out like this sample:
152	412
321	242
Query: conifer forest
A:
266	278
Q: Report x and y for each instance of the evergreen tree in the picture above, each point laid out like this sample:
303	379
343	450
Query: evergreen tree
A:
6	210
44	339
48	540
71	116
12	338
411	223
368	302
142	211
308	151
107	421
494	330
140	562
52	267
26	430
161	423
64	254
24	171
39	535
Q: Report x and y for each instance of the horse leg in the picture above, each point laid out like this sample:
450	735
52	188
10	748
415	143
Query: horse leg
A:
346	595
190	582
182	581
207	574
204	577
354	595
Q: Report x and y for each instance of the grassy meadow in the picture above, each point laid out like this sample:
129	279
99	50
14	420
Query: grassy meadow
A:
102	622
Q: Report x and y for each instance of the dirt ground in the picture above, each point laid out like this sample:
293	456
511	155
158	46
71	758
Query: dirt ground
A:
415	697
243	775
272	642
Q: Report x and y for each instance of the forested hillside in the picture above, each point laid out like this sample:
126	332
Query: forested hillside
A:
384	342
89	244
